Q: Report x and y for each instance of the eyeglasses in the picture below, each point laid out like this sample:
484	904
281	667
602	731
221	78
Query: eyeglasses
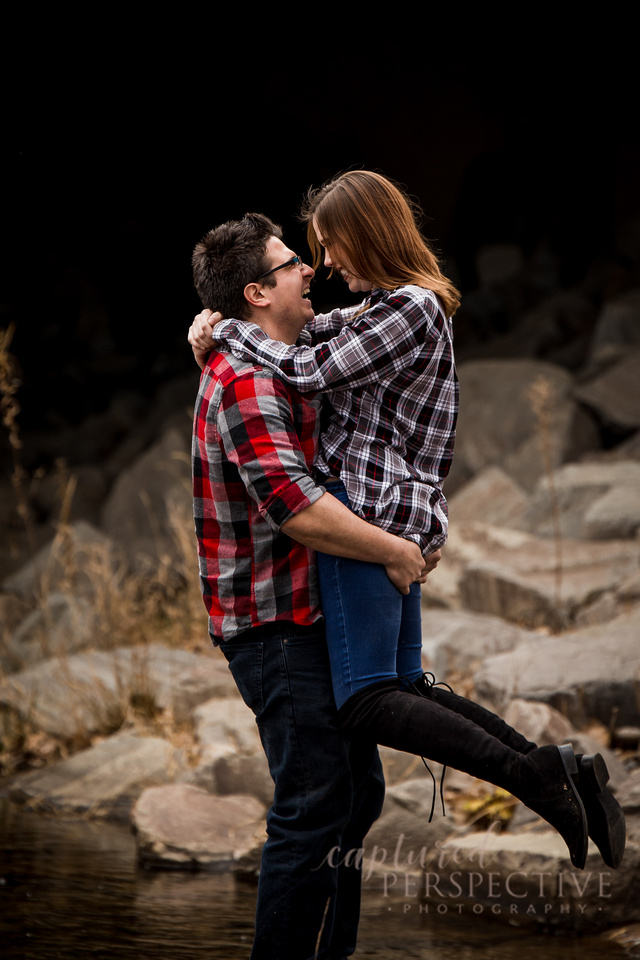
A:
295	261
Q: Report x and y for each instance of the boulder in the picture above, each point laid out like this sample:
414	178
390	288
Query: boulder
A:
491	496
542	724
458	641
87	693
534	581
150	499
102	781
62	624
181	826
617	330
586	501
585	674
613	394
403	835
231	756
520	415
527	878
76	559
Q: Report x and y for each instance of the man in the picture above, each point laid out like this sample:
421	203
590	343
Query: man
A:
259	516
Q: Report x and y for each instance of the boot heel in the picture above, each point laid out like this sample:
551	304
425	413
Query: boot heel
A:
569	761
594	770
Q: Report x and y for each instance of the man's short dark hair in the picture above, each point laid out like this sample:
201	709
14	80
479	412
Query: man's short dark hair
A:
228	258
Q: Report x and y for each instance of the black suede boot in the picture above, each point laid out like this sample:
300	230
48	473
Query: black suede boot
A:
543	779
606	821
443	694
605	818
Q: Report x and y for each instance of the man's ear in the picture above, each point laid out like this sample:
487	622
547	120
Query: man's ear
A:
256	295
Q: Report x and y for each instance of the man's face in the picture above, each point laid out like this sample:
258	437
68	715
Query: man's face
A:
291	308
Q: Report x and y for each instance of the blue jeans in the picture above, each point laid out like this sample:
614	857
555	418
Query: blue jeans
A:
328	791
374	632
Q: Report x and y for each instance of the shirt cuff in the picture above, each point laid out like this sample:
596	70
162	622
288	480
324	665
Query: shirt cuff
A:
222	329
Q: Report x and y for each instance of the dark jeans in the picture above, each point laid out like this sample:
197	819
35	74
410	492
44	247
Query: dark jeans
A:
329	790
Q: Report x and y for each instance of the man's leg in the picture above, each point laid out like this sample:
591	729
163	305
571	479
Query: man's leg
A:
284	678
368	799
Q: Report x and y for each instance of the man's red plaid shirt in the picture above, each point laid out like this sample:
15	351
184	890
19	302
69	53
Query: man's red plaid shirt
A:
254	441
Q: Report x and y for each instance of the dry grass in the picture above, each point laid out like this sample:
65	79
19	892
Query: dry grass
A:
159	603
543	399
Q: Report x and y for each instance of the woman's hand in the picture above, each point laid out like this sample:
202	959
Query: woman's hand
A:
430	563
201	335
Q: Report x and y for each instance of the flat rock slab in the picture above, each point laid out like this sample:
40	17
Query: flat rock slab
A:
458	641
180	825
586	674
534	581
586	501
88	693
101	781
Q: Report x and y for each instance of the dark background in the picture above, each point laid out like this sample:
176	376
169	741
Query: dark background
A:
124	146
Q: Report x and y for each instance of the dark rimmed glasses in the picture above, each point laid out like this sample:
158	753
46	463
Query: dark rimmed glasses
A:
295	261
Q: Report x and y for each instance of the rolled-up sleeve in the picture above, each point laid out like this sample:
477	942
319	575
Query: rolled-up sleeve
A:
255	424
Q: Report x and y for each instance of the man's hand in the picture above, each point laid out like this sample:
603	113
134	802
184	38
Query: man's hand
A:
201	335
410	566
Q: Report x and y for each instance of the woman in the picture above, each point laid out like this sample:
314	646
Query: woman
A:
388	372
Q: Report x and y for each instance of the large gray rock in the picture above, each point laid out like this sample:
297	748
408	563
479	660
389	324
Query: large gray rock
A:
77	696
492	496
76	559
458	641
614	394
62	624
628	795
617	331
585	674
542	724
231	756
534	581
586	501
180	825
150	502
102	781
520	415
525	878
403	834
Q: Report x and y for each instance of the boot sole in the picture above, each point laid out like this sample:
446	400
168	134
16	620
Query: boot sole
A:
605	817
570	764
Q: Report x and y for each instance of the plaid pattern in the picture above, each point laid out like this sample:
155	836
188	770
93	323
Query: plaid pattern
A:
389	372
254	440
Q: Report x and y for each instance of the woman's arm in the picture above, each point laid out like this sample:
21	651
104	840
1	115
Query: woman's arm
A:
377	343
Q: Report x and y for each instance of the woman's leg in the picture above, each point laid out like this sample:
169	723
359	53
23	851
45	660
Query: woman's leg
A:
363	620
409	651
544	779
374	632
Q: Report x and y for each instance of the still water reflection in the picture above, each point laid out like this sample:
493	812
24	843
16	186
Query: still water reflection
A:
72	889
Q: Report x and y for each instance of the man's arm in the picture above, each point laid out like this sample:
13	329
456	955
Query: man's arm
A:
255	420
330	527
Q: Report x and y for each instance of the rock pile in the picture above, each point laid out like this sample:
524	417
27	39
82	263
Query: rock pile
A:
534	610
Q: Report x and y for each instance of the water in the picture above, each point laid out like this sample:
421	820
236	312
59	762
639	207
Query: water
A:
72	889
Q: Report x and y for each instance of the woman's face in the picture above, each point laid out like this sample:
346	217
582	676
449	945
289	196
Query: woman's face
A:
333	257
